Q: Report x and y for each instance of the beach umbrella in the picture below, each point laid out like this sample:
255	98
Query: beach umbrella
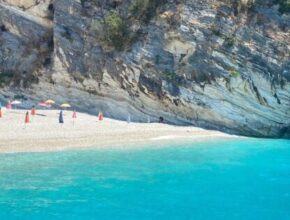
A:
15	102
65	105
49	102
9	106
43	104
60	119
0	104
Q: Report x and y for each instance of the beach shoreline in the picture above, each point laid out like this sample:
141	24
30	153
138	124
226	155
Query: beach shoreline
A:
45	134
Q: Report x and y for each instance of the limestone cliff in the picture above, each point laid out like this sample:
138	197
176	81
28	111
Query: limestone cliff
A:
217	64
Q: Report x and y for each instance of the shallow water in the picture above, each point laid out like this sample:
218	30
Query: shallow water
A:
236	179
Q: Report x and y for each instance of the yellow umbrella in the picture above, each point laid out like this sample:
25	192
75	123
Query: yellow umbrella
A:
49	101
65	105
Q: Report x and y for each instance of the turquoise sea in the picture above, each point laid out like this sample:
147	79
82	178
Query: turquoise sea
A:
233	179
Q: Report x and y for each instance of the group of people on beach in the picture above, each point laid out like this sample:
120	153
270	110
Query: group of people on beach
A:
61	115
33	113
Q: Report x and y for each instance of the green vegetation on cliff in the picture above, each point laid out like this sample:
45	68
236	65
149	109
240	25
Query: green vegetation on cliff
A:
116	31
144	10
284	6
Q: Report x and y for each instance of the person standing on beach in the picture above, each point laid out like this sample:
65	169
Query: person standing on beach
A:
27	119
33	111
9	105
101	116
60	119
74	116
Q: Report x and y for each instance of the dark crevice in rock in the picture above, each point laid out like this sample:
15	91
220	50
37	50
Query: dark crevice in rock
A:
277	98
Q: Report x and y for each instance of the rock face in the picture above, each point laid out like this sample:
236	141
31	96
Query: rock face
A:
205	63
26	40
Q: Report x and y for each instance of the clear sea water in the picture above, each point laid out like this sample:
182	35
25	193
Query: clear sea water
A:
236	179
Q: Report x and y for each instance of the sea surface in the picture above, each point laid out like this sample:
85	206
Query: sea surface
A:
233	179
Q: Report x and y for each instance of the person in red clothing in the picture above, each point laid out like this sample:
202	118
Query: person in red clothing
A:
27	120
74	116
9	105
101	116
1	113
33	111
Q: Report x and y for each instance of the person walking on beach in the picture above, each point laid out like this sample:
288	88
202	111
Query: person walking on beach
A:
60	119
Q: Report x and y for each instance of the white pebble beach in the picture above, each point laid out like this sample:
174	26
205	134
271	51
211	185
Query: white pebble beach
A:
44	133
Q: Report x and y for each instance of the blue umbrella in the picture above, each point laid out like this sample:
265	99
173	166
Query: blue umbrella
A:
61	117
0	104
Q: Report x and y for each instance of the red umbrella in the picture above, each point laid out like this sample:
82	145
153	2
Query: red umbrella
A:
43	104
